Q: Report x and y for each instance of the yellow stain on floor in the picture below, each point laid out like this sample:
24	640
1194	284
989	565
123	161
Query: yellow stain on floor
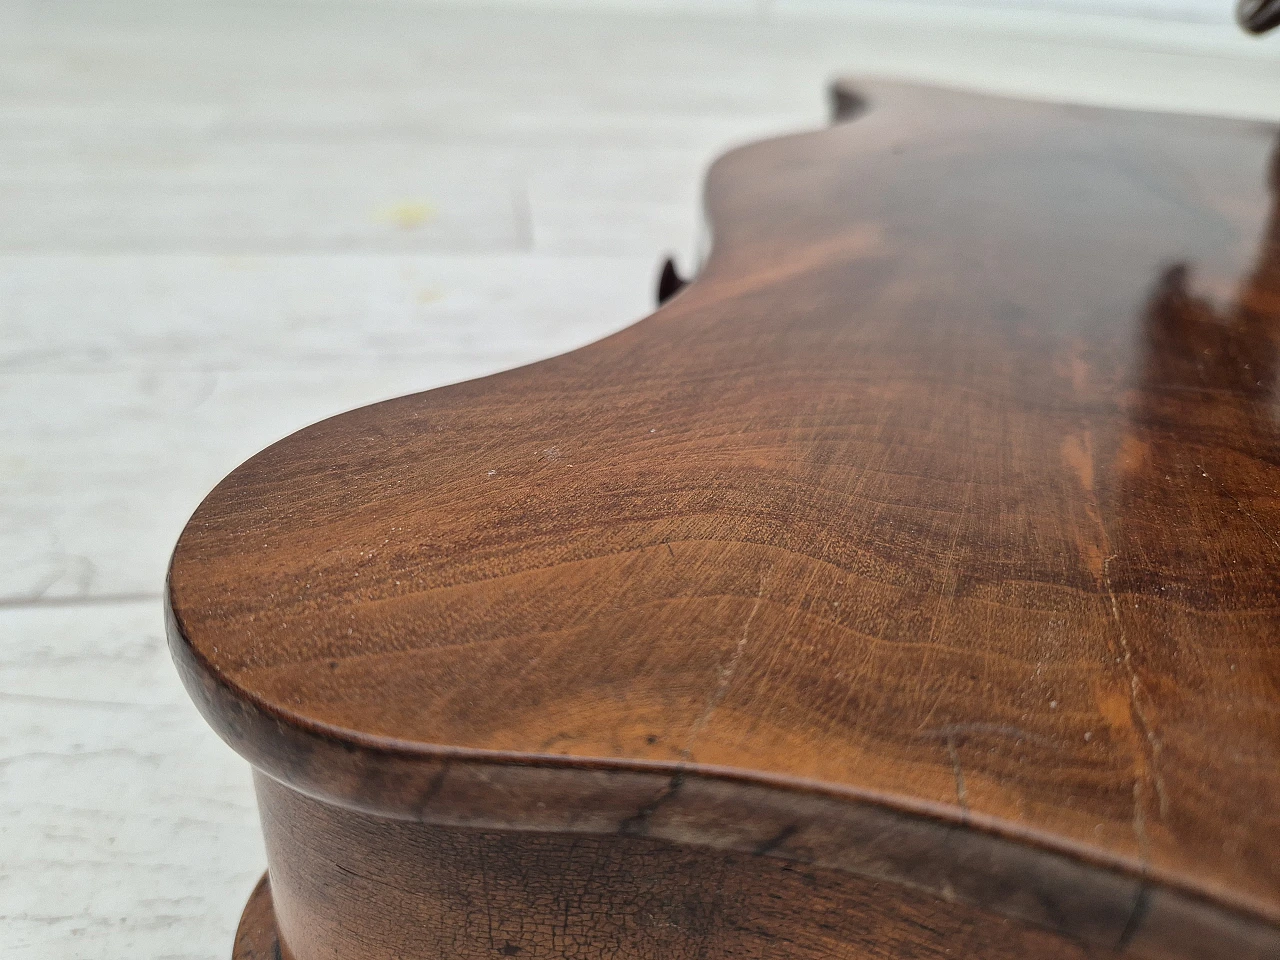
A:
407	214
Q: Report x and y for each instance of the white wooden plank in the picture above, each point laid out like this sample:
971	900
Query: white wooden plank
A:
127	828
1099	60
266	196
609	201
509	77
386	70
74	313
131	385
406	129
101	470
242	198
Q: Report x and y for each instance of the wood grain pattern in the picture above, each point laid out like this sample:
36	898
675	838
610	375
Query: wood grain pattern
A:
944	503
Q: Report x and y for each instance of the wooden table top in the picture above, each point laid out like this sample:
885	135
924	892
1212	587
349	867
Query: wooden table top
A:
951	485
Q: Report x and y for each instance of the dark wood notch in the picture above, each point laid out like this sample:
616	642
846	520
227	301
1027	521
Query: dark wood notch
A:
669	281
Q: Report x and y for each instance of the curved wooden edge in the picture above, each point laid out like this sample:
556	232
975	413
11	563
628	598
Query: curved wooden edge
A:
1108	905
1109	902
256	936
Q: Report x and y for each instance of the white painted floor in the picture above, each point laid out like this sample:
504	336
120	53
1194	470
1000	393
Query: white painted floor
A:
220	222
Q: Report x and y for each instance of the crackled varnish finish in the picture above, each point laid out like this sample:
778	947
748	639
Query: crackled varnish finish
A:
906	584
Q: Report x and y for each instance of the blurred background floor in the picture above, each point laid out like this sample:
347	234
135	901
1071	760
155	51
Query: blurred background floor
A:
224	221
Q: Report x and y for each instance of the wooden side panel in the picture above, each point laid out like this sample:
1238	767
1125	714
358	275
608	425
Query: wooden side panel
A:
349	885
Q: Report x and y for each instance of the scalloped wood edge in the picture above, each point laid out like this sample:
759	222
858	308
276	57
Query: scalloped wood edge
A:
1106	902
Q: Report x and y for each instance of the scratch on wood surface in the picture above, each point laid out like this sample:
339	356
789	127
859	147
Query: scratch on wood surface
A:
1098	556
726	672
1005	731
1139	715
638	822
945	595
1140	823
777	840
486	905
961	793
434	786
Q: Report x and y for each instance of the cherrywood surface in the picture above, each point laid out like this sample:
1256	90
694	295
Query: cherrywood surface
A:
943	506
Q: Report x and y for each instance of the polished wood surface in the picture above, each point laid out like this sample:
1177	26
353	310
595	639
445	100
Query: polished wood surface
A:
943	506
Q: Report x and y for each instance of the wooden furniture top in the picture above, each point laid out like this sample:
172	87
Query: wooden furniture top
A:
950	487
